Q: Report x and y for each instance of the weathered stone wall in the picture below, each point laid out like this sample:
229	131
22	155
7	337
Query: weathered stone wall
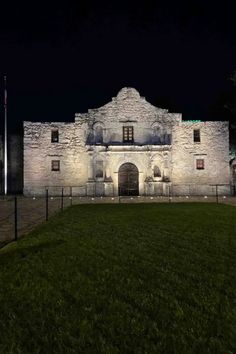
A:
39	152
78	151
161	140
143	157
213	148
128	108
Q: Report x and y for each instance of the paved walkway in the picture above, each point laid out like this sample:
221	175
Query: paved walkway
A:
32	211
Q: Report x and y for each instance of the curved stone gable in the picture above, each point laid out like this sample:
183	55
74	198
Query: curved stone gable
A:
128	93
127	106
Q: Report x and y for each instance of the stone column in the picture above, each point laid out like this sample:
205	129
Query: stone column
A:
90	168
149	165
108	173
109	186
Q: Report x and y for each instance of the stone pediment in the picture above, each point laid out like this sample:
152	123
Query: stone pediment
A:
127	95
128	106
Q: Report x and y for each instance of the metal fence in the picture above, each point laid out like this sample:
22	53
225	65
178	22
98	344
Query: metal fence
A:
20	214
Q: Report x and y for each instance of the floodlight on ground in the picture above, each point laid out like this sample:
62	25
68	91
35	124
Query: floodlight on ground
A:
51	198
112	198
205	196
34	198
92	198
151	197
224	196
187	196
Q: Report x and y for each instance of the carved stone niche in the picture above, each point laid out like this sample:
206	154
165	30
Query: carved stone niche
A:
156	173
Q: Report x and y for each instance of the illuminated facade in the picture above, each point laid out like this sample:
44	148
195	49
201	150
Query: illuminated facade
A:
127	147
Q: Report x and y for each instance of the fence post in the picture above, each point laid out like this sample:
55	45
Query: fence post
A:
16	218
62	196
70	196
46	204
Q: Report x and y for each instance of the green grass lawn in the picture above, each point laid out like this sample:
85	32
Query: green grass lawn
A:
129	278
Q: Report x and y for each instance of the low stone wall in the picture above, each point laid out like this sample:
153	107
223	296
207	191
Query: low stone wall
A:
90	190
193	189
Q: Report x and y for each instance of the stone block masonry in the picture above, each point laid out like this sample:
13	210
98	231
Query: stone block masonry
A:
127	147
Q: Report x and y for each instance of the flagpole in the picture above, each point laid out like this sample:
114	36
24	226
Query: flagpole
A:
5	136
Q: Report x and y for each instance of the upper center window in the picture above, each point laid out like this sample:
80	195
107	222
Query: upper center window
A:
54	136
98	135
128	134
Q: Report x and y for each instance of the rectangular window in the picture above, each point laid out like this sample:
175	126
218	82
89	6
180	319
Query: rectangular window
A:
200	164
196	135
54	136
128	134
99	169
55	165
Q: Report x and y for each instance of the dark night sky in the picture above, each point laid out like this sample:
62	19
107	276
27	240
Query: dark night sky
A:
67	58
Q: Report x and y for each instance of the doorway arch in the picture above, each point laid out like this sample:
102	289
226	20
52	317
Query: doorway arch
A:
128	179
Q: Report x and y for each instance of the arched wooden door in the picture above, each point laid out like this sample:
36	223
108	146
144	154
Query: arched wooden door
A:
128	183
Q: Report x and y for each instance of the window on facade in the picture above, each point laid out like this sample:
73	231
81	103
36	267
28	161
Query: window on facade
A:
128	134
200	164
196	135
99	169
55	165
156	135
156	171
98	135
55	136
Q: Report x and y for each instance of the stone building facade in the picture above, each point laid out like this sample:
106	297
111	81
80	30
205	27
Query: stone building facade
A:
127	147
